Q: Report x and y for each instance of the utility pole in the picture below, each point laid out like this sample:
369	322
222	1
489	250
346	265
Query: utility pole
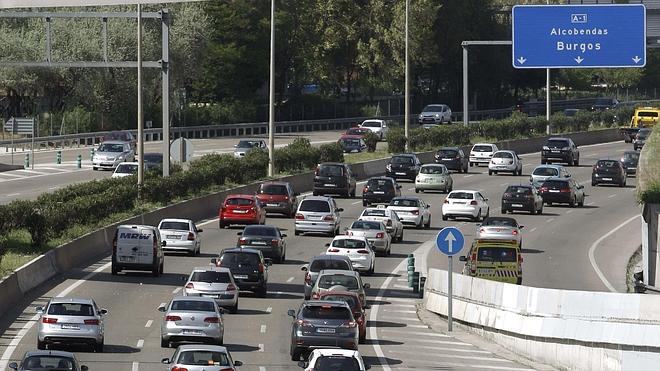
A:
140	113
547	95
406	119
271	99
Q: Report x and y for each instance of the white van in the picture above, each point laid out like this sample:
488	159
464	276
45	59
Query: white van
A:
138	247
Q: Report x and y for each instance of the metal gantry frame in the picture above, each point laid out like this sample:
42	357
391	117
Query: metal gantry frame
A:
163	64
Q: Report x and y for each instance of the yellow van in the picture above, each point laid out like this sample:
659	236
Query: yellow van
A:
645	117
497	260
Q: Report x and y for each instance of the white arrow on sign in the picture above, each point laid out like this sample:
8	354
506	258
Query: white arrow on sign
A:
579	59
450	240
637	59
521	60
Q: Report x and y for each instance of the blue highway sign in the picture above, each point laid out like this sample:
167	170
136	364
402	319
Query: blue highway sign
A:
578	36
450	241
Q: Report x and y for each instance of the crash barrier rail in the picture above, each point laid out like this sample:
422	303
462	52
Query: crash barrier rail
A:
14	289
567	329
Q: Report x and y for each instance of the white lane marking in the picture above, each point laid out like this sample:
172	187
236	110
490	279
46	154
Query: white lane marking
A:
456	343
446	355
140	344
290	279
402	305
356	202
503	184
52	188
467	176
136	366
401	280
611	196
262	368
532	230
550	220
33	172
411	189
594	246
446	350
261	347
417	326
401	286
462	365
399	311
590	203
16	176
269	309
213	220
569	211
149	323
415	333
13	194
176	290
263	329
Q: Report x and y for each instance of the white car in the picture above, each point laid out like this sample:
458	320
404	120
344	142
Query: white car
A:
357	249
333	359
464	203
505	161
374	232
386	216
378	127
412	210
481	153
435	114
125	169
181	235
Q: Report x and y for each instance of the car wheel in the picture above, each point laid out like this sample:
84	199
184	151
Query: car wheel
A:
570	161
155	271
428	223
519	281
577	161
363	338
164	343
593	184
471	164
490	172
478	217
416	190
94	168
365	203
401	235
543	161
572	203
353	193
421	223
315	193
98	348
114	270
41	345
371	270
487	214
581	203
533	210
221	225
540	211
262	292
297	233
444	217
549	203
504	210
234	308
295	354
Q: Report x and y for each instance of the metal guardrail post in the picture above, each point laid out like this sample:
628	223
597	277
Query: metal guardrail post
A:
422	283
27	160
415	281
91	154
79	161
411	270
58	157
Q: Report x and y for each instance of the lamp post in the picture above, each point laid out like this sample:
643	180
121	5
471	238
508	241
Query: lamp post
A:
271	99
406	119
140	113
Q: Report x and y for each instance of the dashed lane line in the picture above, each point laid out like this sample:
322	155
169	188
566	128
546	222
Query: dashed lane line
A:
263	329
261	348
135	366
269	309
149	323
140	344
176	290
290	279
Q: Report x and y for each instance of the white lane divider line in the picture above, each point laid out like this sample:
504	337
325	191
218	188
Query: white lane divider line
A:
262	368
594	246
401	286
269	309
399	311
263	329
569	211
149	323
532	230
261	347
290	279
140	344
467	176
356	202
13	194
136	366
176	290
503	184
611	196
416	333
550	220
590	203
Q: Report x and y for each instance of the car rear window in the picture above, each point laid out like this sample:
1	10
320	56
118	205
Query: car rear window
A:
319	206
248	144
461	195
608	164
557	143
432	169
360	224
631	155
503	155
433	108
232	259
379	184
497	254
447	153
333	363
401	160
180	226
239	201
331	170
210	277
647	114
325	312
273	189
322	264
108	147
499	222
519	190
555	184
404	202
545	171
202	358
127	169
261	231
482	149
192	306
350	300
71	309
349	244
371	124
329	280
374	212
48	362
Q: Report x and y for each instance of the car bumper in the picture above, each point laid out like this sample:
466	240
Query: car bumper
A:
517	204
280	208
494	167
267	251
222	298
340	341
105	164
316	226
410	219
192	333
561	198
430	120
563	156
246	285
606	179
480	160
471	211
57	335
323	189
180	246
239	219
401	174
432	186
450	164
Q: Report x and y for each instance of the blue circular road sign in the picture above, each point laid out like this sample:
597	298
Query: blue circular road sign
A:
450	241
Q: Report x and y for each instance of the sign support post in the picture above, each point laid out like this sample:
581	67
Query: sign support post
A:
450	241
450	292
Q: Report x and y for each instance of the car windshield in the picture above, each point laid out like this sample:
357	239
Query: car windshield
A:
248	144
374	212
447	153
366	225
321	264
325	312
261	231
48	363
202	358
647	114
379	184
497	254
371	124
210	277
350	142
233	259
500	222
631	156
519	190
238	201
433	108
349	244
331	170
607	164
111	147
355	131
71	309
350	300
329	280
192	306
404	202
402	160
179	226
461	195
273	189
433	169
127	169
482	149
557	143
503	155
545	171
334	363
319	206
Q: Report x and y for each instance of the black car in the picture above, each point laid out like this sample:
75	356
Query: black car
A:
562	191
560	150
608	172
602	104
266	238
453	158
153	160
380	190
523	198
334	178
403	166
630	160
640	138
249	268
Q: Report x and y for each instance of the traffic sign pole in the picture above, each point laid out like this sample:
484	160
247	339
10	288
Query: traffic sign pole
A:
450	294
450	241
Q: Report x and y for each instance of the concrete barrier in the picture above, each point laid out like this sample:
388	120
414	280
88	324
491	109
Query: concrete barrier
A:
36	272
574	330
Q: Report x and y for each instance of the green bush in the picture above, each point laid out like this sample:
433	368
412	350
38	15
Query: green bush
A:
396	141
331	152
297	156
371	140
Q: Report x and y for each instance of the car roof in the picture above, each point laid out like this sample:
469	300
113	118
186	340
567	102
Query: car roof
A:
494	242
336	352
212	268
345	237
239	195
334	303
193	298
176	220
373	120
316	198
380	177
204	347
330	257
405	155
114	141
77	300
339	272
58	353
241	250
448	148
558	138
135	226
275	182
252	139
549	166
340	293
506	150
505	218
433	164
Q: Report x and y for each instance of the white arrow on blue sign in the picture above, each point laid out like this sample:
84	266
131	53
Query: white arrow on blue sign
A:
450	241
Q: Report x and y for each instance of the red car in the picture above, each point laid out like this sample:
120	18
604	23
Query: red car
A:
279	197
353	301
241	209
360	132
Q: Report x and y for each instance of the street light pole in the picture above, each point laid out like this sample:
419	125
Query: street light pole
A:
547	96
271	100
406	119
140	113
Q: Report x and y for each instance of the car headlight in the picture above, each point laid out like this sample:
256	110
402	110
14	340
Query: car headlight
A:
546	148
437	115
421	116
388	167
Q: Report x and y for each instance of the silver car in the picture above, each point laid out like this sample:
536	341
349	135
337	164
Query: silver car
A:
71	321
542	173
190	318
378	127
386	216
246	145
196	357
181	235
48	360
412	210
111	153
500	228
375	232
435	114
505	161
434	177
339	280
323	262
318	214
213	282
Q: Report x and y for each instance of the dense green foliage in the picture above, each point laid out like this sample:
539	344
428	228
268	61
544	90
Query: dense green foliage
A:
371	140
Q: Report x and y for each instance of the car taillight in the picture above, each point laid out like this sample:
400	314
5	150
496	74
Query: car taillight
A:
362	251
274	242
242	241
380	235
49	320
365	189
177	368
565	190
514	232
93	322
308	278
415	212
349	324
316	296
190	285
543	189
231	287
261	268
191	236
212	320
329	218
389	222
473	202
172	318
333	250
520	258
482	230
300	216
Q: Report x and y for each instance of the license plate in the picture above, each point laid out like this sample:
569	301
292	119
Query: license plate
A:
172	237
459	203
259	243
554	191
240	211
210	296
325	330
379	192
272	205
488	271
191	332
517	205
241	276
553	151
607	179
127	259
328	185
447	159
400	173
70	327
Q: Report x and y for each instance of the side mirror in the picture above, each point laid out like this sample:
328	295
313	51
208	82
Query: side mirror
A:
291	313
200	230
13	366
398	186
235	145
328	244
366	286
103	311
485	198
39	309
339	209
83	368
521	226
302	364
268	262
238	363
162	308
462	258
214	261
163	243
284	235
239	233
304	268
297	194
427	206
165	361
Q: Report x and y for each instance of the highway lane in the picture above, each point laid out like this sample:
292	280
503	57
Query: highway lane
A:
259	335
